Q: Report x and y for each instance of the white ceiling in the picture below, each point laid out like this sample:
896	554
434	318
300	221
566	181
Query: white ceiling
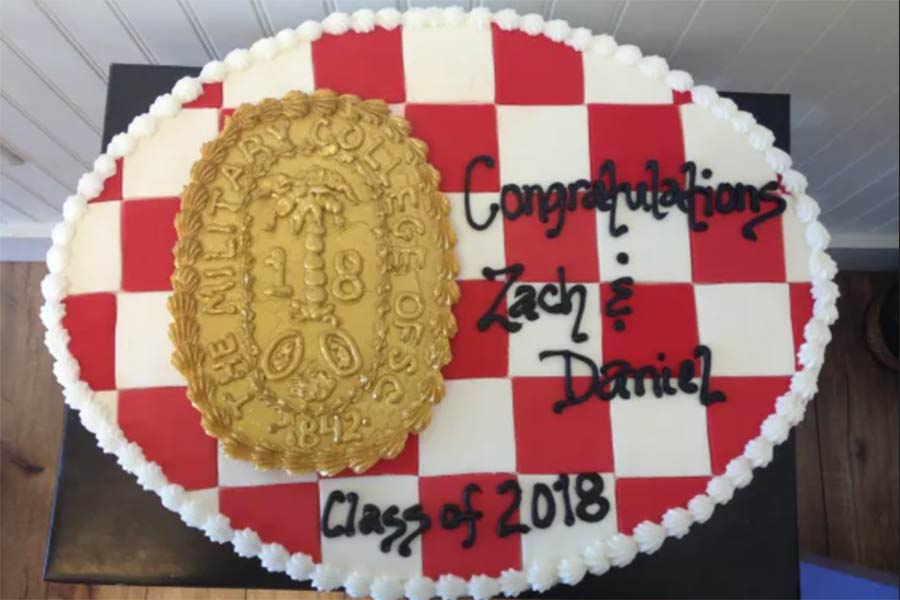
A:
837	58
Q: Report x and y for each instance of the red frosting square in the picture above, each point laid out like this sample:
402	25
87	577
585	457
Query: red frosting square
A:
733	423
148	237
91	322
535	70
210	98
578	440
721	254
368	65
167	428
291	515
442	550
112	187
492	357
648	498
632	134
575	248
456	134
801	312
663	320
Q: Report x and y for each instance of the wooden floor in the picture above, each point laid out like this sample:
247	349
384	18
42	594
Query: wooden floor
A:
847	451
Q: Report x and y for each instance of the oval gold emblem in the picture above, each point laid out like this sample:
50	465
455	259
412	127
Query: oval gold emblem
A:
313	285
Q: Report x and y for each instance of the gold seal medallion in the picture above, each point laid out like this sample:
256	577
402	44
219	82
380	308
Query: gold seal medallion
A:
314	279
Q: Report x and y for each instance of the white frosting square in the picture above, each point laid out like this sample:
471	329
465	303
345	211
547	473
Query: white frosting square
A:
631	86
96	250
796	250
658	250
448	64
554	332
560	540
237	473
143	348
747	326
660	437
476	249
292	70
161	164
361	552
714	144
471	430
543	144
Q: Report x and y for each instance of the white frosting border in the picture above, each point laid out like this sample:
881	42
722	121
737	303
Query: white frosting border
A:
598	557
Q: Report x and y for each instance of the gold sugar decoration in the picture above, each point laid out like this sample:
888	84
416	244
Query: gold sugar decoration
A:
313	285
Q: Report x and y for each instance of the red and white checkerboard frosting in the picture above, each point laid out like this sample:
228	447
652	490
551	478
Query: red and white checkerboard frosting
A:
550	103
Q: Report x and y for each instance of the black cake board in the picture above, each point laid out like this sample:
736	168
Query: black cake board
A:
106	530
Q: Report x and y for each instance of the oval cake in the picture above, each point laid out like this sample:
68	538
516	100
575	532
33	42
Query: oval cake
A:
460	303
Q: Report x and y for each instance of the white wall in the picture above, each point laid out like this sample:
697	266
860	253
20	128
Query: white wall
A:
838	59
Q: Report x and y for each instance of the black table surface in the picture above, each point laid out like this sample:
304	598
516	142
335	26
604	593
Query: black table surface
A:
105	529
